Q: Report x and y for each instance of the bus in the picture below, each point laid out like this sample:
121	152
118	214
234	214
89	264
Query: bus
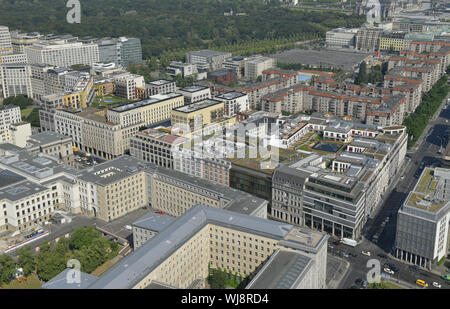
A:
421	283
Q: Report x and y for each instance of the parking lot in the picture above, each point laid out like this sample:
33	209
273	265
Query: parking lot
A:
85	160
325	58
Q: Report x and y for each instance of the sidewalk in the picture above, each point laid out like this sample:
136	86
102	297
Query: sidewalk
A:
339	271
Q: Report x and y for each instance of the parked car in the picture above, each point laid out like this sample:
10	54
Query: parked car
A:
365	284
358	281
366	253
382	255
414	267
388	271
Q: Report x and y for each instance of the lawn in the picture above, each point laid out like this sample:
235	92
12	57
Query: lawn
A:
32	282
108	100
27	111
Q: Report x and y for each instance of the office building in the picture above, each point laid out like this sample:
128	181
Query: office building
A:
62	53
179	68
16	80
245	246
255	66
161	86
208	60
194	94
422	221
235	102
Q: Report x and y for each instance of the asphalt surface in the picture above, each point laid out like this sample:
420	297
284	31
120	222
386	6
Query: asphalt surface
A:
425	153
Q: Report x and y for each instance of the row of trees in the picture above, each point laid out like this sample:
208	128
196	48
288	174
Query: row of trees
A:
431	101
175	24
87	245
375	76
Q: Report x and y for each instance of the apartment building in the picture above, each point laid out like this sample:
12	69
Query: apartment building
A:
125	85
193	94
392	41
16	80
288	100
62	53
235	102
422	222
255	66
208	60
161	86
197	115
236	65
179	255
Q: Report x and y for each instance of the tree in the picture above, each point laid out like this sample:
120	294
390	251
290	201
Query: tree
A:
361	78
27	260
218	279
20	100
7	268
83	237
50	263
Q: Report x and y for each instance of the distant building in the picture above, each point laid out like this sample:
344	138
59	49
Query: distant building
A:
255	66
122	51
223	76
179	68
341	37
208	60
235	102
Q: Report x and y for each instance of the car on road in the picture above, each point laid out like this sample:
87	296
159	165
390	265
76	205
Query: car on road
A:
421	283
345	255
403	177
365	284
366	253
437	285
358	281
382	255
414	267
388	271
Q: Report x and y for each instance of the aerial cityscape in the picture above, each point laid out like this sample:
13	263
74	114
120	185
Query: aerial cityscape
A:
225	145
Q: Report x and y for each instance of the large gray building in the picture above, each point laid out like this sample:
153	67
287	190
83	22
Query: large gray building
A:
422	222
121	51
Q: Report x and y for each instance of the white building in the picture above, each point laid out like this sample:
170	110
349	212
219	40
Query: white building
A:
179	68
341	37
194	94
255	66
208	60
62	53
5	41
16	79
126	84
235	102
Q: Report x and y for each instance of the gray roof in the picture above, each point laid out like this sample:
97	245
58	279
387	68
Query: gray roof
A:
132	269
35	165
60	281
284	270
19	190
45	138
153	221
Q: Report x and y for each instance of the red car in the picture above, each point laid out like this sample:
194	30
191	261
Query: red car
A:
160	213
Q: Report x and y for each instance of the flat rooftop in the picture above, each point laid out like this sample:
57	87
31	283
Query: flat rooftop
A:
197	106
427	194
152	100
160	82
284	270
45	138
231	95
192	89
154	221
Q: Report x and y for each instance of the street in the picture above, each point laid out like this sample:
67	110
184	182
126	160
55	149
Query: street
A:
425	153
